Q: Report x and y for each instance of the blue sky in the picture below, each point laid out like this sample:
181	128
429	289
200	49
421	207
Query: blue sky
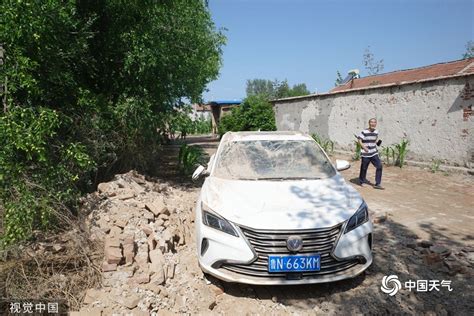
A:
307	41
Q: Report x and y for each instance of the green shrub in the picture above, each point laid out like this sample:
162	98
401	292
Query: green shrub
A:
435	164
401	150
189	158
389	153
39	171
255	113
326	144
358	148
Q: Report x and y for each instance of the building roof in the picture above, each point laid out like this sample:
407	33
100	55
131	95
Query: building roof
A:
225	102
201	107
442	70
457	68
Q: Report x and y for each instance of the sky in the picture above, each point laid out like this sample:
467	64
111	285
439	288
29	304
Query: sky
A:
307	41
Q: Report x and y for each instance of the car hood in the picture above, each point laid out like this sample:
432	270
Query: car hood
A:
289	204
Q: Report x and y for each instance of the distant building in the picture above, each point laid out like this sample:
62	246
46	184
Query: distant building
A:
219	109
201	111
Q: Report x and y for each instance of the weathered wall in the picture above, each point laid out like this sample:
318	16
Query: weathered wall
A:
435	116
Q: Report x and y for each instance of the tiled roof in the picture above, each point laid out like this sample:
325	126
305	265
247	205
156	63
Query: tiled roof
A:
448	69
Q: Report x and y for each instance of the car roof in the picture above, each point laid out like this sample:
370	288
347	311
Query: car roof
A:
279	135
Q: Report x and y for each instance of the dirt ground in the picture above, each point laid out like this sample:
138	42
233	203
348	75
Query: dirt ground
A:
418	205
422	231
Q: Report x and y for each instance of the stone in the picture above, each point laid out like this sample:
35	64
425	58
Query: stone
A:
112	241
121	222
141	278
105	187
441	250
131	301
129	252
107	267
85	311
212	305
454	267
411	244
164	217
151	242
115	231
432	258
158	276
58	247
92	295
170	269
147	230
125	195
103	225
380	219
148	215
156	256
425	243
157	207
113	255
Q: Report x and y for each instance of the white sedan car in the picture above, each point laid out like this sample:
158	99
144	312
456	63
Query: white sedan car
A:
274	210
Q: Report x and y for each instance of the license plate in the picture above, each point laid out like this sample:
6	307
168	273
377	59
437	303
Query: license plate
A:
294	263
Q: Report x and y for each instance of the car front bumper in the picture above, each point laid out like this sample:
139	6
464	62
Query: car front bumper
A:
243	259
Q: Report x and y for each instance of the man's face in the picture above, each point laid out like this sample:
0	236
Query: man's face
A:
372	124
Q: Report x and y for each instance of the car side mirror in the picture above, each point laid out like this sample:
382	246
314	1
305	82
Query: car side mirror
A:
200	172
342	165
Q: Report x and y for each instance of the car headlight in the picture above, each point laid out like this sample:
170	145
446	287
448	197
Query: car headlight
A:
359	218
215	221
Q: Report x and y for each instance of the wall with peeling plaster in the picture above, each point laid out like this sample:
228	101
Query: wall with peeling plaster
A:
435	116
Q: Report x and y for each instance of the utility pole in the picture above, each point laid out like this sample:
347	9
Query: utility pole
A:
3	86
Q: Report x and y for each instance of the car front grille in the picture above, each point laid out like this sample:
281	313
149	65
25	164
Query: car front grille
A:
273	242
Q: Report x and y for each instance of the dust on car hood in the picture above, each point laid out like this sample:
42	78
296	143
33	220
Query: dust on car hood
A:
288	204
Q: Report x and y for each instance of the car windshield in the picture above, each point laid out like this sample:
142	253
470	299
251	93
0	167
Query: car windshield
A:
273	160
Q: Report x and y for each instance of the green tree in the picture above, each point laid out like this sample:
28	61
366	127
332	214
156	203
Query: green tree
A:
260	87
339	79
105	76
469	50
275	89
372	66
255	113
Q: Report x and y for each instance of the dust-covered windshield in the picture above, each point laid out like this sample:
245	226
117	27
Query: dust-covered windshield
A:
273	160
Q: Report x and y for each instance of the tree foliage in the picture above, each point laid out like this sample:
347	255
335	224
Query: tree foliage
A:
469	53
372	66
255	113
275	89
90	84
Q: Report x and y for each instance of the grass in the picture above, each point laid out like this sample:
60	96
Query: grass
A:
326	144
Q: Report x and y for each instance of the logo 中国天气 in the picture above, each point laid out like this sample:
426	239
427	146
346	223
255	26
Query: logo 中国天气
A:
390	285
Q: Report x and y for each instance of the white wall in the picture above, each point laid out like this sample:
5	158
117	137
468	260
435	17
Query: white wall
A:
430	115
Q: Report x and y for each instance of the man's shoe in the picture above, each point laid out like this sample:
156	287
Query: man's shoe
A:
379	187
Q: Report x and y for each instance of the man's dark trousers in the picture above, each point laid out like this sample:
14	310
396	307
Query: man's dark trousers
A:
375	160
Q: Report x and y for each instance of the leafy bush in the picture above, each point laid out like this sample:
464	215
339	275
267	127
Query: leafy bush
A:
86	100
326	144
189	158
255	113
39	174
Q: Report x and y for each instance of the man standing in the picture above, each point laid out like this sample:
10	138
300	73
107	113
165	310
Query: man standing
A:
369	154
